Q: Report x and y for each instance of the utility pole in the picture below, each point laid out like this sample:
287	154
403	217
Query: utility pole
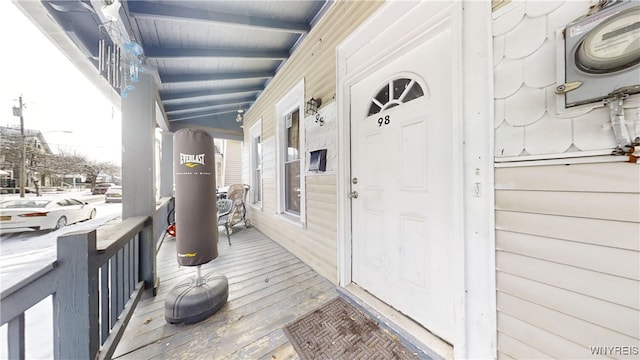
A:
17	111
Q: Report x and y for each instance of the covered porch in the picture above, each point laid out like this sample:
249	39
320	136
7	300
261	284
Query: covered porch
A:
268	288
183	86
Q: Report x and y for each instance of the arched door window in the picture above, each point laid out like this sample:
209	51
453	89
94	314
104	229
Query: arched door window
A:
396	92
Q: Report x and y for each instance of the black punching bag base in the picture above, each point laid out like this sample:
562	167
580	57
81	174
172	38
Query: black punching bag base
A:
189	304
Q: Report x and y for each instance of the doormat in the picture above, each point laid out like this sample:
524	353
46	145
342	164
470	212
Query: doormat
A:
338	330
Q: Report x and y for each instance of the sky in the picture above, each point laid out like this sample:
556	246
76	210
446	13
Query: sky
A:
58	97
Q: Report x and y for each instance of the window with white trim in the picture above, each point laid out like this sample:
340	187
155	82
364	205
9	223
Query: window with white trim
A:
255	148
290	153
292	163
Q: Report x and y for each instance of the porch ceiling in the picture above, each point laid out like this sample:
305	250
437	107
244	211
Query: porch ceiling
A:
209	58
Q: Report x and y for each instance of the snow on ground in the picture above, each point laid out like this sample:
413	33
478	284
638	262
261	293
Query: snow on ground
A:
23	253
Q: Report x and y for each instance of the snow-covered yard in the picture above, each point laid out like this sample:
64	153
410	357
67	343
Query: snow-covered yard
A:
23	253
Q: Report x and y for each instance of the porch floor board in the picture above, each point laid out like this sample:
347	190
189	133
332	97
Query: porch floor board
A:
268	288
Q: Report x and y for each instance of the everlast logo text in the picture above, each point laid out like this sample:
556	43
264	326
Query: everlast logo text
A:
191	160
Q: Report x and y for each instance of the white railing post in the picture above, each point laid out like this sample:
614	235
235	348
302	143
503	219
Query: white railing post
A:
76	303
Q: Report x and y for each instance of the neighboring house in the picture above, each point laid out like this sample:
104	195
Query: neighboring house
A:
232	168
36	150
228	162
74	180
527	251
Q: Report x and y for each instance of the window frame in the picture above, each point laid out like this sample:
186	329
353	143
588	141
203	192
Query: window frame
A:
256	132
293	100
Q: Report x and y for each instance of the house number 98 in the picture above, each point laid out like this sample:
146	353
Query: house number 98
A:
384	121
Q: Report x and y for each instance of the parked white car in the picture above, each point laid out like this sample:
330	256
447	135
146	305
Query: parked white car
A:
32	214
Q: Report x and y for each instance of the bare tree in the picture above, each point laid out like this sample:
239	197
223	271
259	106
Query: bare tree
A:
65	163
94	168
52	165
10	149
74	163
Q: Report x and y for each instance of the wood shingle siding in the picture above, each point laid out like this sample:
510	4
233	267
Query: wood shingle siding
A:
567	259
315	62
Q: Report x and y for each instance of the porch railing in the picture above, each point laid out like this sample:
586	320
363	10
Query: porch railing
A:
164	213
96	284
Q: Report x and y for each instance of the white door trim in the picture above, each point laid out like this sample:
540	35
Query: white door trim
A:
474	288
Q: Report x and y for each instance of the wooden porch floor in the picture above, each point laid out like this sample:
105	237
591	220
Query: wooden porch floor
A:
268	288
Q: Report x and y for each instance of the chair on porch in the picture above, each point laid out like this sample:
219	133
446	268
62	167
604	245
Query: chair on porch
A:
238	194
224	209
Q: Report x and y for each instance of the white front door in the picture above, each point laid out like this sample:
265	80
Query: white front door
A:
402	170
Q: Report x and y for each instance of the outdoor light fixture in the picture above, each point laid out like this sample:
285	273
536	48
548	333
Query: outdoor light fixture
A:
240	116
313	105
111	9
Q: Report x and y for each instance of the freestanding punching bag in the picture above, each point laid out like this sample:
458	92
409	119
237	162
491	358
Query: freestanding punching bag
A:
196	229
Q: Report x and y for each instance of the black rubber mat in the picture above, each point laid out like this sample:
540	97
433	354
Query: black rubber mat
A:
338	330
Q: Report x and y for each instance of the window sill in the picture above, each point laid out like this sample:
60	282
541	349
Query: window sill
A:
291	219
256	206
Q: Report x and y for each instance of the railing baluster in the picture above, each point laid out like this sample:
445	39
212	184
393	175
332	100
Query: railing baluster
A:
132	279
95	291
16	337
125	274
136	257
113	287
104	302
120	284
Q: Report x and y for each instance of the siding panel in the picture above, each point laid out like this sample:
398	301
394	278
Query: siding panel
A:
567	259
608	177
591	283
618	234
537	338
610	316
566	329
517	349
610	206
612	261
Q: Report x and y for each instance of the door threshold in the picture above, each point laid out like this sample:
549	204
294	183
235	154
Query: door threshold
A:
433	346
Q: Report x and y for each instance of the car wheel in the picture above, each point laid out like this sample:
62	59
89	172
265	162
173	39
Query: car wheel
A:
93	214
62	222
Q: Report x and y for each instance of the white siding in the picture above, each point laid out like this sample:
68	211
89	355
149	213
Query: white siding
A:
314	61
567	236
568	259
232	162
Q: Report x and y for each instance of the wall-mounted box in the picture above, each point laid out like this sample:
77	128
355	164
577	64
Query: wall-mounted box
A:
318	160
601	55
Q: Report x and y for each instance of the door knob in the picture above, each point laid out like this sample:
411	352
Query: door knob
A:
353	194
